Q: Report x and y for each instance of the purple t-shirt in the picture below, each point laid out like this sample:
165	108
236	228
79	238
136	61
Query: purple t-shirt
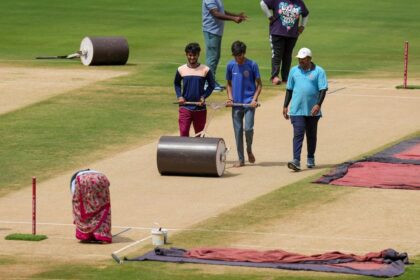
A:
286	13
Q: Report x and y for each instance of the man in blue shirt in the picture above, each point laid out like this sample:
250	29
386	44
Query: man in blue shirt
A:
214	15
306	89
243	87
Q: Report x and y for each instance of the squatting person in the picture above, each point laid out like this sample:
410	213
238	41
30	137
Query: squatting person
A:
243	87
91	206
192	93
306	89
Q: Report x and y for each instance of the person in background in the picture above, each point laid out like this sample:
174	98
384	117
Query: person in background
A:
91	206
243	87
306	89
191	92
287	19
213	17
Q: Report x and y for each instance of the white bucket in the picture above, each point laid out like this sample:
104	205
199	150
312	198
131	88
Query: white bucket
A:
158	236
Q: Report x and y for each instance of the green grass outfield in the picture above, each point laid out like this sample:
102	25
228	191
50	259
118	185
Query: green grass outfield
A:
64	132
348	38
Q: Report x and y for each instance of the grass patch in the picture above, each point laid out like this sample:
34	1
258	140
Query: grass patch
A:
69	131
26	237
408	87
7	260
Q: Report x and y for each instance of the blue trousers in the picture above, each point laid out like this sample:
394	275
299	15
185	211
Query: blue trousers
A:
238	115
304	125
213	45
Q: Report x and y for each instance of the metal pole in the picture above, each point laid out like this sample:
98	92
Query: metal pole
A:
33	205
405	63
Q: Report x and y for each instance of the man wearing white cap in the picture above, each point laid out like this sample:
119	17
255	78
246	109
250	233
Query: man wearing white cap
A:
306	88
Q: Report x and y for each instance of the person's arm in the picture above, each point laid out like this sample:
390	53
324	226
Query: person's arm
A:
317	107
228	77
304	18
238	18
229	101
303	23
177	86
323	86
267	11
257	93
211	84
287	98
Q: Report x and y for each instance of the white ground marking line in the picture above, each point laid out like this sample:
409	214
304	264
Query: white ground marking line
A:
381	88
379	96
302	236
132	244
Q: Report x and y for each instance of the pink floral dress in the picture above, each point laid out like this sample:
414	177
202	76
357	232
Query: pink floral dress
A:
92	208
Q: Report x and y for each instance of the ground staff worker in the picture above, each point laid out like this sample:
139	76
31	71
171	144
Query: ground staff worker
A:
306	89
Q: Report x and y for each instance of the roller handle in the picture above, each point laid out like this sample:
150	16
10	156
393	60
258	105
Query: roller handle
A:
241	105
52	57
191	103
69	56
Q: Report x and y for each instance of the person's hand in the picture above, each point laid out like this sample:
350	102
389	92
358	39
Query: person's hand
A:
285	111
300	29
243	16
237	19
271	19
254	104
240	17
181	100
229	103
315	110
202	101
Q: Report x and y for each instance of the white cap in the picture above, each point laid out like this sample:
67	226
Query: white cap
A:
304	52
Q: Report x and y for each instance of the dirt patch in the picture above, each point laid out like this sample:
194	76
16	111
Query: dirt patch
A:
359	117
20	87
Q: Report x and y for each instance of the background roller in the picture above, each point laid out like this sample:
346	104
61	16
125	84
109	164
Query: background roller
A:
98	51
104	51
191	156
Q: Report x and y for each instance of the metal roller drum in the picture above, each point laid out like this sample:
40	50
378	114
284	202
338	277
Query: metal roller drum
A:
191	156
104	51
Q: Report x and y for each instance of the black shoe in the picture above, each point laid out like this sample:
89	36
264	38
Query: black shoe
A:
294	165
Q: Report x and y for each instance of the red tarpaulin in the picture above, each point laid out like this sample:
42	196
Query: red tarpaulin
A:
381	175
411	153
386	263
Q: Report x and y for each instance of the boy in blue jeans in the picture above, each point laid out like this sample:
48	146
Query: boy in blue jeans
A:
243	87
